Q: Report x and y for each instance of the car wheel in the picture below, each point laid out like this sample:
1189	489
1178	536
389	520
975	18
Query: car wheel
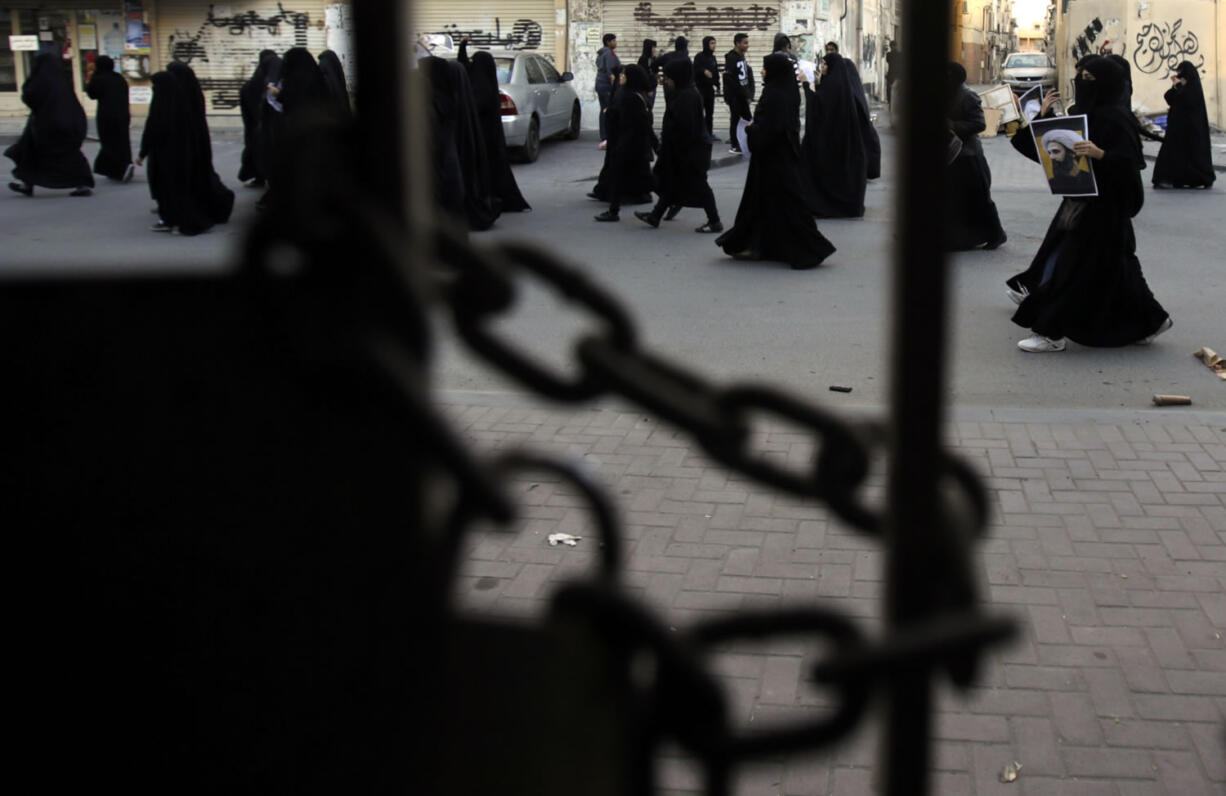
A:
531	149
576	116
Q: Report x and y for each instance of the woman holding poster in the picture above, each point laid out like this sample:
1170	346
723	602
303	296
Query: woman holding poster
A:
1085	284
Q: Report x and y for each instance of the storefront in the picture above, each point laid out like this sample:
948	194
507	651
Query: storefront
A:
77	32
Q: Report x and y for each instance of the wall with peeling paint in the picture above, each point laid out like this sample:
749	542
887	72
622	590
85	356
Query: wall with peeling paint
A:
1155	36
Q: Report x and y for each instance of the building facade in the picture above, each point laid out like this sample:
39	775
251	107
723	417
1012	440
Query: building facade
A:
986	36
222	41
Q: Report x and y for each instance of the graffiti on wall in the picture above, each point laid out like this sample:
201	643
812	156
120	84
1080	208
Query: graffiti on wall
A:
1095	36
689	17
524	34
244	35
1162	46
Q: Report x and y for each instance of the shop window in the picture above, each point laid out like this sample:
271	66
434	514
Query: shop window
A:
8	65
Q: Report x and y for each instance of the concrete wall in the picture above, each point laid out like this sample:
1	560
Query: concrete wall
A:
1155	36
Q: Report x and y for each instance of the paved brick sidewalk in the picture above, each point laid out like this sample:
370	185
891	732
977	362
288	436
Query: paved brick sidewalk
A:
1108	542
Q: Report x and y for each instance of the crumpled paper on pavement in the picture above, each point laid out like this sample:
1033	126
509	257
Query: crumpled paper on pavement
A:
1010	772
1213	360
556	539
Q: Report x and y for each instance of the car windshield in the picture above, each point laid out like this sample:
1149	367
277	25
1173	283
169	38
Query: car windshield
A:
1028	61
504	67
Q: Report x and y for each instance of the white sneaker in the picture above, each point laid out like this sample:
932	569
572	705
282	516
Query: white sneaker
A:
1017	296
1038	344
603	145
1166	325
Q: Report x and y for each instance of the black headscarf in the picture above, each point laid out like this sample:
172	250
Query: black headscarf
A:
782	42
638	80
681	45
335	88
706	44
302	82
680	71
955	78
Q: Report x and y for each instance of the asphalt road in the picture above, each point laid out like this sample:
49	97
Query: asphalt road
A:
732	320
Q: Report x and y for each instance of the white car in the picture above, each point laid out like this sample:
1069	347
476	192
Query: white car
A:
537	102
1023	71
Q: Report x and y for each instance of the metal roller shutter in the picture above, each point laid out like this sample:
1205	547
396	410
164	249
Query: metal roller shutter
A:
493	24
665	20
221	43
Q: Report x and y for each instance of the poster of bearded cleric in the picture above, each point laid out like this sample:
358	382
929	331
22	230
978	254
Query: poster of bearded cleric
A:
1068	173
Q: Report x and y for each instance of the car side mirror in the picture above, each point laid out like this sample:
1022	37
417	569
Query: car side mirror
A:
567	77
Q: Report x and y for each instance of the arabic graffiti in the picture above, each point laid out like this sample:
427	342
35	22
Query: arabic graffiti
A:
223	49
688	17
186	48
525	34
1164	45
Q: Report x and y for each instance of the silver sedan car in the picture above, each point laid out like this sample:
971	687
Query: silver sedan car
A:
537	102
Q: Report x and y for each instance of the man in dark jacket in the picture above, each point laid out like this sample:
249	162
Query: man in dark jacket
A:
738	87
685	152
607	63
706	77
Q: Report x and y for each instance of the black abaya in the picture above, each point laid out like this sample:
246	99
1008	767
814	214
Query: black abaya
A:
188	192
483	76
251	105
773	221
833	151
1085	283
626	176
48	153
971	216
685	151
336	90
705	62
1185	160
112	120
872	141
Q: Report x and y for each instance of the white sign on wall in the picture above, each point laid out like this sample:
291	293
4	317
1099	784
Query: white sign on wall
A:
140	95
23	43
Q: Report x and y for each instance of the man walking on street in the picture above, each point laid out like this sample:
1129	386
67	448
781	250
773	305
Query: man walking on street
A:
738	87
607	63
706	77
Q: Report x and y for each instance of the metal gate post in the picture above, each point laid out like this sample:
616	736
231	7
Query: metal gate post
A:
918	378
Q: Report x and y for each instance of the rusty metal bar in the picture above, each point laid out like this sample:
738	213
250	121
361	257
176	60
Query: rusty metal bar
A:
918	378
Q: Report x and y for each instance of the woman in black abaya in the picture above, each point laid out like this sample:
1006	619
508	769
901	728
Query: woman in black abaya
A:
251	105
834	159
627	169
189	194
48	154
1085	284
685	151
971	216
1184	160
113	119
706	77
872	141
483	76
336	90
774	221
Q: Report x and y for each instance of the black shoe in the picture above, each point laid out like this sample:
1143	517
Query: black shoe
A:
82	191
592	195
608	215
25	189
732	150
161	227
711	226
672	212
647	218
996	243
